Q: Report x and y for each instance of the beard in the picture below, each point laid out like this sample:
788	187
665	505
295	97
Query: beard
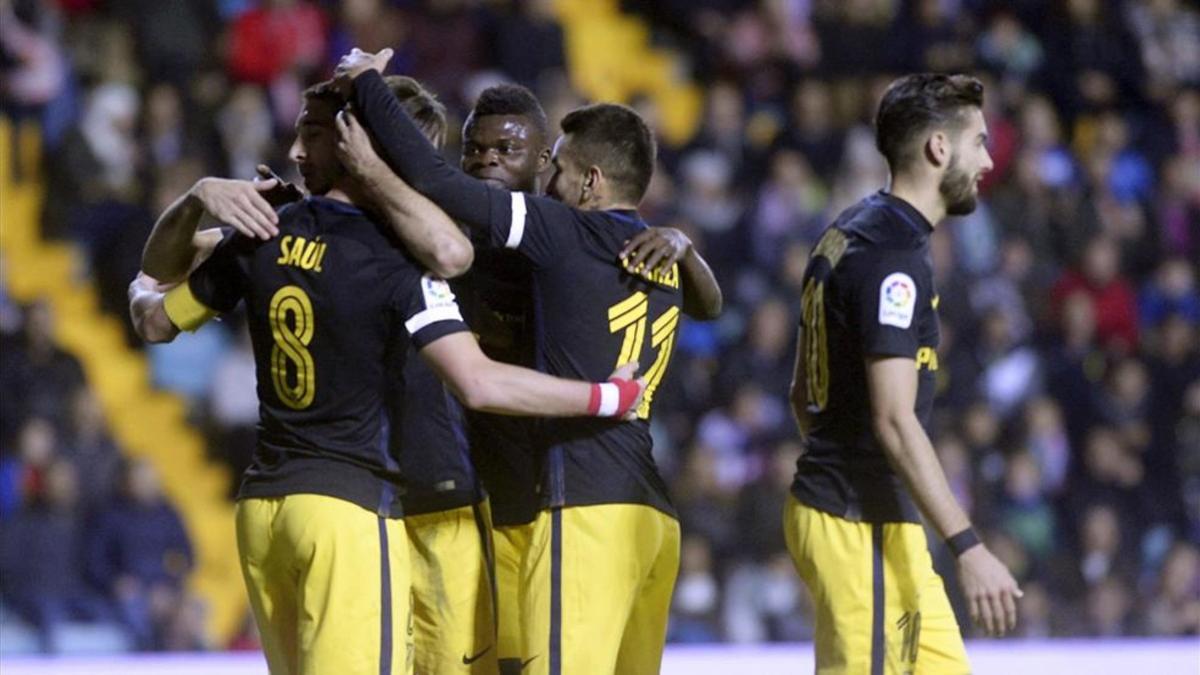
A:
957	188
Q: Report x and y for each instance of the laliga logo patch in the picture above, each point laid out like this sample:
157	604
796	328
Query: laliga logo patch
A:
897	300
437	292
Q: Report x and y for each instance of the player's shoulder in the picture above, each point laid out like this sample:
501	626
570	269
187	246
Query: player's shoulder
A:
881	224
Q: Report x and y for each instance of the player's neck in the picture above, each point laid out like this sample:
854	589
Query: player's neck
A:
347	192
921	193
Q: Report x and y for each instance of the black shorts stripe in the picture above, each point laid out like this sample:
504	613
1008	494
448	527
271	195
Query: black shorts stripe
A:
385	589
556	591
489	559
877	600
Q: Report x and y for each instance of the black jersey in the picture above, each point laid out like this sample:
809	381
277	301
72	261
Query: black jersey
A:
590	314
331	301
497	301
868	291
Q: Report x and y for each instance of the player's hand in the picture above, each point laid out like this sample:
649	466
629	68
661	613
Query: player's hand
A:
656	248
239	203
990	589
358	62
282	193
627	372
354	148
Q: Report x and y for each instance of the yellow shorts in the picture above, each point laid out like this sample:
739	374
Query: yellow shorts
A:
511	543
329	585
880	606
598	583
454	625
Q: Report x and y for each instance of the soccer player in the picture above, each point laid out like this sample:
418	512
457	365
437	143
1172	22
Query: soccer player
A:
331	299
506	143
862	395
604	555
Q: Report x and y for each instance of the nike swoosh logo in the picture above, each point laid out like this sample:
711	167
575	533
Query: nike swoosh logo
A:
468	660
527	661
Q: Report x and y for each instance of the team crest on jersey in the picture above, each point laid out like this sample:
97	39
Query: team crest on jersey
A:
436	291
897	300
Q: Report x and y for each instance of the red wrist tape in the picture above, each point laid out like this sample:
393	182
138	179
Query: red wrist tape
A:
613	398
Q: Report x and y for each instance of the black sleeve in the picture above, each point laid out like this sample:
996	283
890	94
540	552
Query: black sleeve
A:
220	281
889	293
532	225
428	308
406	150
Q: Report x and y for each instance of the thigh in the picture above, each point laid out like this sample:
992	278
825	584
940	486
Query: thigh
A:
836	559
453	621
922	633
354	585
271	582
646	629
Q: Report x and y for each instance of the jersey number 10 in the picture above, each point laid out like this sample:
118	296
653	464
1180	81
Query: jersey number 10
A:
631	316
292	327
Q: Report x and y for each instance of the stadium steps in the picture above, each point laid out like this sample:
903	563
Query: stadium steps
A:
145	422
610	58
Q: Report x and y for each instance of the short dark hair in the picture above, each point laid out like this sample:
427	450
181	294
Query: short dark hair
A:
915	103
616	139
327	92
511	99
421	105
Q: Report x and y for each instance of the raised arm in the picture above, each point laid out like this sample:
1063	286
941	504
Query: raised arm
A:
491	386
661	247
987	583
175	246
406	150
428	233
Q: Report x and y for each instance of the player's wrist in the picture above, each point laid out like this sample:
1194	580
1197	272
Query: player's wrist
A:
963	541
613	398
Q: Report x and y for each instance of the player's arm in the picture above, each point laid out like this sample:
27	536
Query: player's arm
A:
987	583
175	246
495	387
662	247
150	320
427	232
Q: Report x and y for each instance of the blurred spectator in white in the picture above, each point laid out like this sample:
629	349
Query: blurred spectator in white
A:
246	130
1009	47
1168	32
233	407
697	598
1046	437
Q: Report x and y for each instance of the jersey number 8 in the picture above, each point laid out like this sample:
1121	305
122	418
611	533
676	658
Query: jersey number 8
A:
291	317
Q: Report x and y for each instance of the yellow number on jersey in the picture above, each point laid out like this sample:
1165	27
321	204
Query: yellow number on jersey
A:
631	315
291	347
816	354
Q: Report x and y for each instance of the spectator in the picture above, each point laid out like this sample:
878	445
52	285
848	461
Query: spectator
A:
138	554
1099	276
40	554
697	596
1174	609
45	375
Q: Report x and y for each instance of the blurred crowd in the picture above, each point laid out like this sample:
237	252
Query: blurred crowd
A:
1068	411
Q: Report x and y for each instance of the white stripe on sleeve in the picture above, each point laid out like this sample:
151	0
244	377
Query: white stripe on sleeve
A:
517	228
432	315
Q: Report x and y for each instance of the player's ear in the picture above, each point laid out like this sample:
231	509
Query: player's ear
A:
937	148
543	160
